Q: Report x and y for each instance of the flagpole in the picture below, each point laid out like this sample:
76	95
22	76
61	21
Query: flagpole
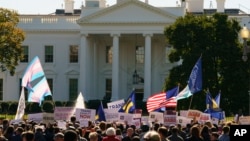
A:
190	102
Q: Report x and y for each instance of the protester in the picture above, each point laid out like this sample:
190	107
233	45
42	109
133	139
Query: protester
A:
225	134
110	132
152	136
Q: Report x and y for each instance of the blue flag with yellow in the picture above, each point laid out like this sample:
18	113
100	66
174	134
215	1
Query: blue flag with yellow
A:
129	105
100	116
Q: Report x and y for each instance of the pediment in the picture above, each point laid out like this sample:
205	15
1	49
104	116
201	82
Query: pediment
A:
129	11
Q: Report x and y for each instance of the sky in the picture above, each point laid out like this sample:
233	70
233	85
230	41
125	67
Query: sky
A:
50	6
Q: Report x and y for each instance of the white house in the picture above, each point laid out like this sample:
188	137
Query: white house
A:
98	50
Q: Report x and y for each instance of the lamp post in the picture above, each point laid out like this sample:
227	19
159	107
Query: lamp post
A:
244	33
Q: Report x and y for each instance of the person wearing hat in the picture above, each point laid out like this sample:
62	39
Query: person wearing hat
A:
59	137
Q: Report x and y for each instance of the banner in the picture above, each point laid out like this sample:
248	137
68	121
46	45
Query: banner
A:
85	114
183	121
38	117
126	117
156	117
116	105
169	119
63	113
111	115
194	114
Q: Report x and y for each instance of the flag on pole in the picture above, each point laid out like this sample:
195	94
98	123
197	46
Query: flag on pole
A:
194	83
210	102
80	101
195	78
129	105
35	81
21	106
217	99
164	99
185	93
100	116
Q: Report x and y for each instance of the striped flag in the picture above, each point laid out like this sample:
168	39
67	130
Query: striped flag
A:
35	81
21	106
164	99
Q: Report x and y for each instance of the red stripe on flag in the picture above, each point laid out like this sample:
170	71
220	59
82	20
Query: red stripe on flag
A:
159	100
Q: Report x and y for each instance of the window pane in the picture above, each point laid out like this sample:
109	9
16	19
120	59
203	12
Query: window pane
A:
26	54
73	88
73	56
109	54
108	89
49	54
139	54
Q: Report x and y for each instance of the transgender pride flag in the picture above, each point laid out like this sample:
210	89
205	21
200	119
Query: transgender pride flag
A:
35	81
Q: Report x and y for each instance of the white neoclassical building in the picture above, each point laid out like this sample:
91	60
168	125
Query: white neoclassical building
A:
102	51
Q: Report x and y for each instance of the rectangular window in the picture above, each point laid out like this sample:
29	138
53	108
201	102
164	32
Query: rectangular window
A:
73	56
1	89
26	54
50	83
73	88
139	52
26	92
108	89
49	54
109	54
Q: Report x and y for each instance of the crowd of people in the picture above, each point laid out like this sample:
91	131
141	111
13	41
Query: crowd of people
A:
107	131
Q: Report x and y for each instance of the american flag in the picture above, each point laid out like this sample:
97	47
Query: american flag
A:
163	99
159	100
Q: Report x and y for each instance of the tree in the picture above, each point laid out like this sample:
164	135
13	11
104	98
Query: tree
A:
11	38
216	39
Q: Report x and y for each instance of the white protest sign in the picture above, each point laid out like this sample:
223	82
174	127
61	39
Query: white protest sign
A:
156	117
144	120
85	114
244	120
61	124
84	123
38	117
63	113
194	114
111	115
126	117
48	118
183	113
115	105
169	119
137	123
183	121
205	117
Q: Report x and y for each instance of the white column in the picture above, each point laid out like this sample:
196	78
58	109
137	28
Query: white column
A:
115	67
147	67
83	62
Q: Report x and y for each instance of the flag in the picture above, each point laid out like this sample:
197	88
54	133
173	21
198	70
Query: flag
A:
21	106
35	81
217	99
195	78
185	93
194	83
100	116
80	101
129	105
210	102
164	99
